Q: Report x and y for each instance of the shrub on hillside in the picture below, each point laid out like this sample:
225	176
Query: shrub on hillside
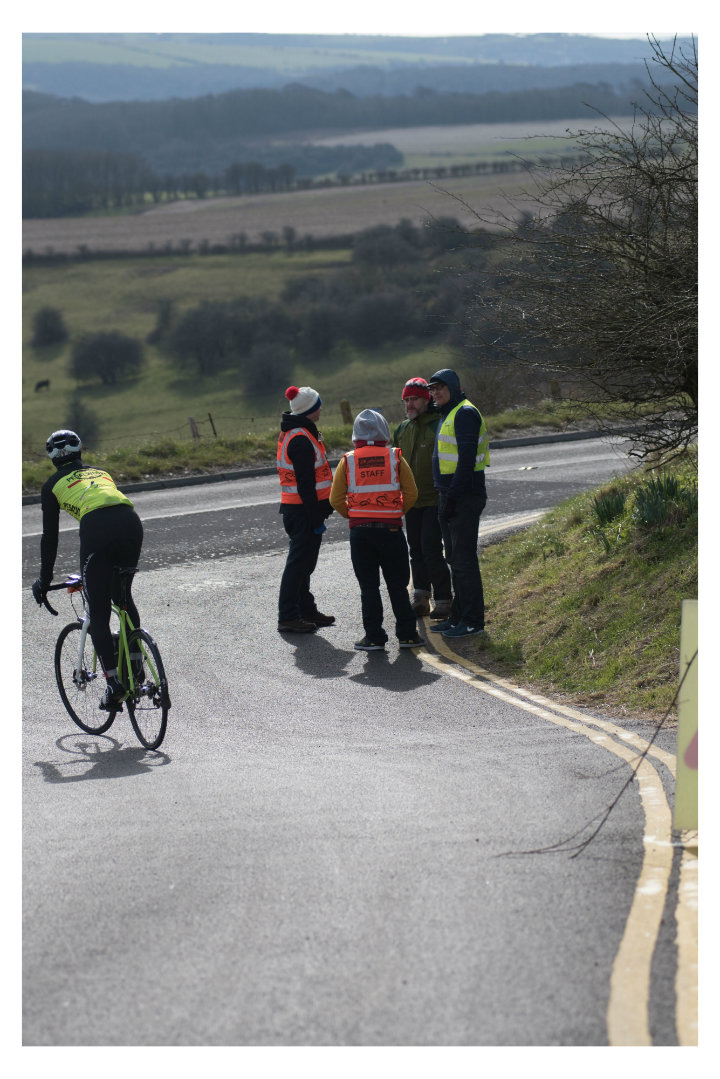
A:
216	335
107	356
445	234
321	326
163	322
380	317
48	327
82	419
383	246
268	369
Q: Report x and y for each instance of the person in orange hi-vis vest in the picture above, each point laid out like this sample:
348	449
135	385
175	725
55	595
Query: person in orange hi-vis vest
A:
305	481
373	487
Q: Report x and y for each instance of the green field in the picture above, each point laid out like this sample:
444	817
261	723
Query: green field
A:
458	144
123	295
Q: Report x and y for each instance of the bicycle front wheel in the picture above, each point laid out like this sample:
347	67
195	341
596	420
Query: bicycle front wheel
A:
81	680
149	702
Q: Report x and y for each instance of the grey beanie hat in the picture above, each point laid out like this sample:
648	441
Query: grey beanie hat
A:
370	426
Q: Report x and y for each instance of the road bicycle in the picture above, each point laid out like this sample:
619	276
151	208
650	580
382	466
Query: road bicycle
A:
81	679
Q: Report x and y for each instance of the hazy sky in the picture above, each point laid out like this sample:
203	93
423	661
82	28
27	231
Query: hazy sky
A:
407	17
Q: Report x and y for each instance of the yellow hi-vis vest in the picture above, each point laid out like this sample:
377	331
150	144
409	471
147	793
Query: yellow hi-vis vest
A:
87	489
288	481
447	450
373	483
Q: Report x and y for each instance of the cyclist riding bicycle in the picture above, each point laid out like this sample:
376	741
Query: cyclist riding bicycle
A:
111	536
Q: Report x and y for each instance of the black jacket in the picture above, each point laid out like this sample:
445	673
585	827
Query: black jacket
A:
301	453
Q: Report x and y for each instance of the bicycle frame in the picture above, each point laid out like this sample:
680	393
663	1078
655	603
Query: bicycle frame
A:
126	627
140	672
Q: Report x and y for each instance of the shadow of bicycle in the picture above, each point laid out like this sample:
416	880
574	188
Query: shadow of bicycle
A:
98	756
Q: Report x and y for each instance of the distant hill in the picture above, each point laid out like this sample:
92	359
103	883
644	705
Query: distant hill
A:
153	67
213	131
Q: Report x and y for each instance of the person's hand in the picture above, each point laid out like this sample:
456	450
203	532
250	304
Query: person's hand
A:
319	531
39	591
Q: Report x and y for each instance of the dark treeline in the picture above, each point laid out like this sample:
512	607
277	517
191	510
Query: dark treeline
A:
62	184
59	183
164	133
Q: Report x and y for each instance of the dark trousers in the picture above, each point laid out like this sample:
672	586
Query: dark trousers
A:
372	550
296	600
110	539
427	561
460	536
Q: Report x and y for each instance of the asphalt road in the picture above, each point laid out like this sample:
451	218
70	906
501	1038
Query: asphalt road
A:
217	520
331	848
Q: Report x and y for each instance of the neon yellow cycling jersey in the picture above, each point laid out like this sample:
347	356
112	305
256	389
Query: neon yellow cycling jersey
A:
86	489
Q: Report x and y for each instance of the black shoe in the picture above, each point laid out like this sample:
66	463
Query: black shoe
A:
115	693
298	625
367	644
411	642
319	619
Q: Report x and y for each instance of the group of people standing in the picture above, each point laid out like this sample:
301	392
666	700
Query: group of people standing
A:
430	472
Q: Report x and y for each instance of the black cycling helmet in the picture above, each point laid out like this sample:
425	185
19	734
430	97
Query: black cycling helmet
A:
63	446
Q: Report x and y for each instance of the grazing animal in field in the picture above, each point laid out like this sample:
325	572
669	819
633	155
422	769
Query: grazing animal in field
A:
43	384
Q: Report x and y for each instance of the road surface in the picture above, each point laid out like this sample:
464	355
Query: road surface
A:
336	848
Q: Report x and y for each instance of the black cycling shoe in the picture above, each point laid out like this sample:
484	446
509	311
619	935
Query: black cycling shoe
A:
115	693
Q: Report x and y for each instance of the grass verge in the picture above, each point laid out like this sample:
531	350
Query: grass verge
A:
590	611
173	457
170	458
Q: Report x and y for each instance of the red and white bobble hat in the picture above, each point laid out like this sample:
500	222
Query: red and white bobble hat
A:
303	399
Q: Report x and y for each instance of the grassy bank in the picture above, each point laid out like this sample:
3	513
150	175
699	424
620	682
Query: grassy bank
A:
589	609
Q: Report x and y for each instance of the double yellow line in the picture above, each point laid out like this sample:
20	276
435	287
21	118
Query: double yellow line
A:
628	1006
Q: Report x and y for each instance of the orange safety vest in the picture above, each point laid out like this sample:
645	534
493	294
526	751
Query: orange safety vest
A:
288	481
373	483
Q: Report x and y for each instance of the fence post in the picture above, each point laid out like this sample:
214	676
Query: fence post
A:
212	425
193	428
345	412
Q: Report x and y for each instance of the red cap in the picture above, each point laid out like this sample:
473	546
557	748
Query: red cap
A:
416	387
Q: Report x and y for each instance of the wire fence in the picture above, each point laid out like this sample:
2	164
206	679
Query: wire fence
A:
209	426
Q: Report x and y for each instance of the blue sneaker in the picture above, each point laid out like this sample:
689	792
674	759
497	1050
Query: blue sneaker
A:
462	629
440	627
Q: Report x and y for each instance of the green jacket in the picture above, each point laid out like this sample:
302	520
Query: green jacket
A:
416	439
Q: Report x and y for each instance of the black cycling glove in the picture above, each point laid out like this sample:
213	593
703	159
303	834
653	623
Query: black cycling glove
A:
39	591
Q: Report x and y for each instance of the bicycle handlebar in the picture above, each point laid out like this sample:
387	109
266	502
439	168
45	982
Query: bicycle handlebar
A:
56	588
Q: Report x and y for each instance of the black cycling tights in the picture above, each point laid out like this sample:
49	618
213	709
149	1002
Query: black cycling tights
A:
110	539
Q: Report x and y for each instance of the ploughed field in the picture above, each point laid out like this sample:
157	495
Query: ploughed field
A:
321	213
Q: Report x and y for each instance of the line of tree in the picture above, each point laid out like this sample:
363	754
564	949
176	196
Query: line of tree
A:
57	183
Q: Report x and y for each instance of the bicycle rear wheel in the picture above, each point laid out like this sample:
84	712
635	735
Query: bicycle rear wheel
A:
149	703
81	687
